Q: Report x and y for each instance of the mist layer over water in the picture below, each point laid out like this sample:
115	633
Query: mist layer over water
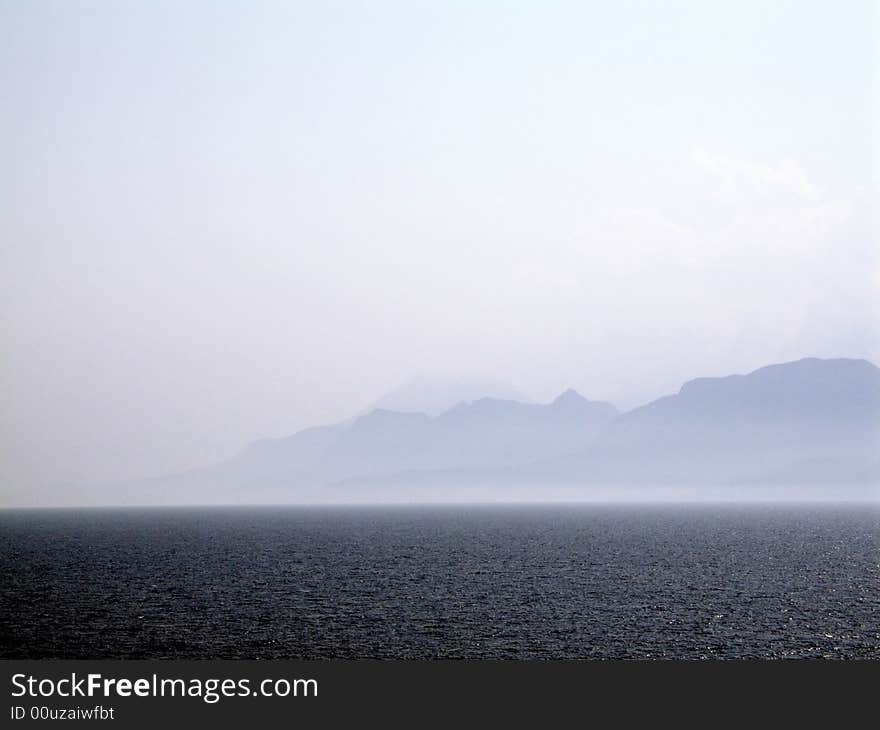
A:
454	581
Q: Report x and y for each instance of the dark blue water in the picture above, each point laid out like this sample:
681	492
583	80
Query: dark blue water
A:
476	582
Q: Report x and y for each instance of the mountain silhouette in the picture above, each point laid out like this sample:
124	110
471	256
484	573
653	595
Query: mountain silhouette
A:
744	427
809	422
485	433
433	395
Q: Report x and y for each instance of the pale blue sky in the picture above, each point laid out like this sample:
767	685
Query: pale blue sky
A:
227	220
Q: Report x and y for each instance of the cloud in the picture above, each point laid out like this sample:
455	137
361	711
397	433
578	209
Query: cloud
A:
741	177
775	208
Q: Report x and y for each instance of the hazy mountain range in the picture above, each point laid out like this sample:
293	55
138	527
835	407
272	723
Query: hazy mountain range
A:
806	420
811	425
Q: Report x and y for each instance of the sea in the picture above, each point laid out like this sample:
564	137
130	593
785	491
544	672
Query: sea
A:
588	581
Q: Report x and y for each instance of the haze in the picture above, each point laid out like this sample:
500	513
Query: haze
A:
222	221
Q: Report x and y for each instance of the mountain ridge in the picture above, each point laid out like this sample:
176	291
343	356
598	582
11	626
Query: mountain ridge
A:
810	420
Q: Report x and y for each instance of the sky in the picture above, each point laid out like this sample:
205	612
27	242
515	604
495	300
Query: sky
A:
222	221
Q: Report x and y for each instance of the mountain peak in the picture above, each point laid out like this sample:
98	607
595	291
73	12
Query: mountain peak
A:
434	395
569	397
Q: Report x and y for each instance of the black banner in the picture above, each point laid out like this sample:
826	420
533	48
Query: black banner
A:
147	694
